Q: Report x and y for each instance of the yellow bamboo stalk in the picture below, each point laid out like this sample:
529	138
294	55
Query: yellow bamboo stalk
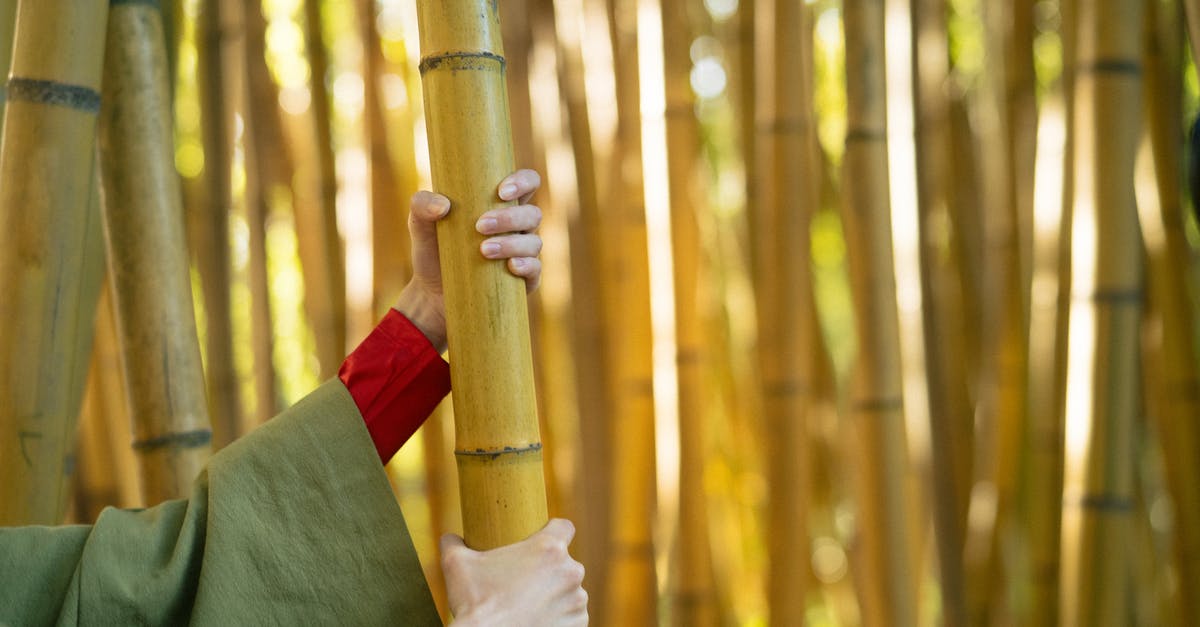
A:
1004	101
8	22
327	309
950	412
1048	391
440	488
587	288
1174	388
496	429
787	194
693	594
1102	368
632	588
46	185
212	233
260	120
389	226
876	403
111	407
152	290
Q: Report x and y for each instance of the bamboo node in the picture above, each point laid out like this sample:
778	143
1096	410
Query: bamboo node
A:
157	4
879	405
1112	503
462	60
178	439
39	91
1110	66
495	453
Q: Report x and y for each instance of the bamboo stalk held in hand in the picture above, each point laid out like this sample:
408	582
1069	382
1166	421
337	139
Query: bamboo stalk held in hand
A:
498	445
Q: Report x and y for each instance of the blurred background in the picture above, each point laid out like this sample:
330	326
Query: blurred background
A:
841	322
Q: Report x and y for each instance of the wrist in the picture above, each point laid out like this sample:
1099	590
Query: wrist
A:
425	314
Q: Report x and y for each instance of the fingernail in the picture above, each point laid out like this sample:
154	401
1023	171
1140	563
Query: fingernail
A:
490	249
442	205
486	225
507	191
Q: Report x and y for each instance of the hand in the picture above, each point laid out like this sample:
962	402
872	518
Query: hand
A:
514	239
532	582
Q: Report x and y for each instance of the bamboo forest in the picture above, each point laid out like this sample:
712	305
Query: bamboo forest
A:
851	312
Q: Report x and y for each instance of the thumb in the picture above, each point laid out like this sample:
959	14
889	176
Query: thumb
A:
426	209
451	542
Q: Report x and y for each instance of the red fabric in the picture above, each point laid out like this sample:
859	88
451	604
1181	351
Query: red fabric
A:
396	379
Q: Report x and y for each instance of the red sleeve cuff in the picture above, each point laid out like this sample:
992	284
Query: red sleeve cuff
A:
396	379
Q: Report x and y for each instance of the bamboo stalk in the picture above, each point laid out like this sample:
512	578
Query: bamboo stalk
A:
496	430
8	23
694	601
1174	389
260	116
950	412
389	228
327	309
888	595
46	185
1098	499
632	588
786	182
143	214
587	295
212	232
1004	101
111	406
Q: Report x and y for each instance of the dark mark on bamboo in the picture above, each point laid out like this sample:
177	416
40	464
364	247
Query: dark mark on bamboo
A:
149	3
865	135
495	453
180	439
1117	296
1105	503
27	435
1110	66
39	91
464	60
879	405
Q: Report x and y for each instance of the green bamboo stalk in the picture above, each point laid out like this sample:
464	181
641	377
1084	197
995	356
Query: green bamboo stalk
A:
46	188
143	214
1098	491
887	594
1173	389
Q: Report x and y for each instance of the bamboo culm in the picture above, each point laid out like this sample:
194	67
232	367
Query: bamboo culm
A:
143	215
52	104
497	442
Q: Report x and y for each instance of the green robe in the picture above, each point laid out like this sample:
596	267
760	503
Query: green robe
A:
293	524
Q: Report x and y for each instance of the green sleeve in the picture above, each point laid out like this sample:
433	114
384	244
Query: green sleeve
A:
292	524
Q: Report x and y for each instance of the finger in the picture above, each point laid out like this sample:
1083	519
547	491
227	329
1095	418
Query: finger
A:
509	246
509	220
560	528
449	542
426	209
429	207
520	185
528	268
